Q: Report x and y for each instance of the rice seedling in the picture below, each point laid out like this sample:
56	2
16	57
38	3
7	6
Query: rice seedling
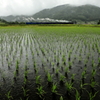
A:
93	73
69	88
15	75
37	79
69	58
62	77
49	79
40	92
17	65
77	95
66	71
99	61
54	88
25	92
93	84
70	65
61	98
3	76
25	98
64	59
9	64
92	96
36	70
72	78
85	69
54	91
8	95
57	71
26	74
86	61
34	64
25	81
83	76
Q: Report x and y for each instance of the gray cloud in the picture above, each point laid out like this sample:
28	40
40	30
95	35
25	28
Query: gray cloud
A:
28	7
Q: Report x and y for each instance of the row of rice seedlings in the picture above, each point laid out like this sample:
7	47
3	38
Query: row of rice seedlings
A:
9	96
25	93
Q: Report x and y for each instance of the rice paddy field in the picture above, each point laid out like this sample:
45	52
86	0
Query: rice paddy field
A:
49	63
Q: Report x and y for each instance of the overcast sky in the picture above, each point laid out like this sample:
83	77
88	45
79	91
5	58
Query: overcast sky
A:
29	7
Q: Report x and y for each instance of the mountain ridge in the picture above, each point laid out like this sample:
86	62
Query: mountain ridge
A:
70	12
85	13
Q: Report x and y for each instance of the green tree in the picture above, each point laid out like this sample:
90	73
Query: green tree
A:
99	22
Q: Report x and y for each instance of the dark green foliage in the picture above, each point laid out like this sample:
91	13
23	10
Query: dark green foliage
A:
68	12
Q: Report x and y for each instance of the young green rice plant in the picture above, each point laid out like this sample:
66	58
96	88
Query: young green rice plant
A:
64	59
52	64
69	58
69	87
25	98
70	65
77	95
26	57
8	95
72	78
49	79
99	61
26	63
9	64
85	69
57	71
66	71
21	51
93	73
91	95
99	51
93	64
15	75
93	84
62	77
46	70
54	91
43	51
35	67
40	92
34	64
82	88
36	70
61	98
37	79
83	76
54	88
32	55
3	76
62	67
58	63
55	58
17	65
80	58
25	81
88	56
86	61
26	73
25	92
